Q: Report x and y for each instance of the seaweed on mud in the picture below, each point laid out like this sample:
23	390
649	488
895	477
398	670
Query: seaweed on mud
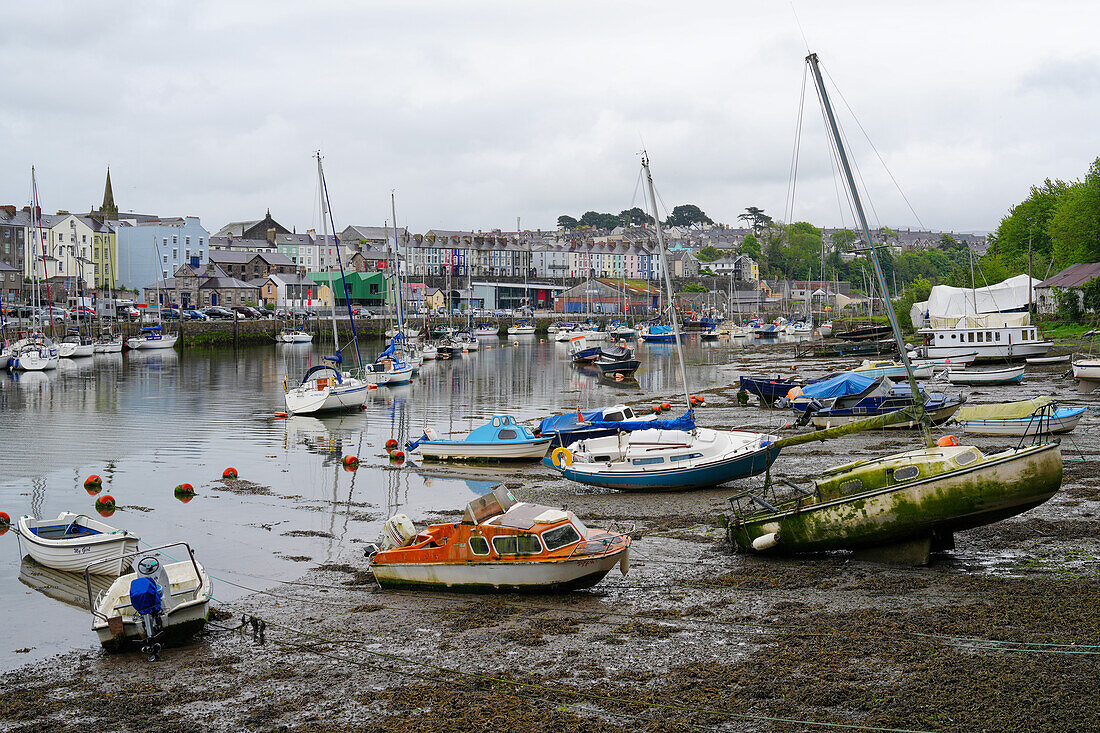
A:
366	608
485	613
307	533
244	486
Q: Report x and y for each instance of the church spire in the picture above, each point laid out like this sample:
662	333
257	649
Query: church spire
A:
108	209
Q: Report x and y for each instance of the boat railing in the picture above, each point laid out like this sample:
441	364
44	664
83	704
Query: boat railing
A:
609	543
88	579
746	503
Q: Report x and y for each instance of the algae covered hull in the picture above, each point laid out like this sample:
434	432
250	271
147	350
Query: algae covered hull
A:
927	493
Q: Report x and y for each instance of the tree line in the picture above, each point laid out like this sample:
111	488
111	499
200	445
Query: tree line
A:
681	216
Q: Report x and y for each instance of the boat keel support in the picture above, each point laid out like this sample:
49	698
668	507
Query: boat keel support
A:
911	553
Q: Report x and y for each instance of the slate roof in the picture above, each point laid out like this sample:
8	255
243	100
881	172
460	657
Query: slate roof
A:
240	257
1073	276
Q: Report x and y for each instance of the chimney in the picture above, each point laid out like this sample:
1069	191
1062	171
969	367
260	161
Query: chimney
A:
271	235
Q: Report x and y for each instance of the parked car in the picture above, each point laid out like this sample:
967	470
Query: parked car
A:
169	314
128	312
81	313
259	312
216	312
243	311
190	314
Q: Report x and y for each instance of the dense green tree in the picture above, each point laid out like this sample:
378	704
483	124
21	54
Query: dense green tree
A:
1091	293
694	288
750	246
596	220
686	215
708	254
843	239
634	217
567	222
757	218
1075	225
1069	305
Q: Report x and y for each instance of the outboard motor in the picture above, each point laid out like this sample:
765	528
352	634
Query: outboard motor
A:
147	596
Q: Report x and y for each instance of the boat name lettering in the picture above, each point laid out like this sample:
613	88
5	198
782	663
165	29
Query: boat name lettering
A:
80	550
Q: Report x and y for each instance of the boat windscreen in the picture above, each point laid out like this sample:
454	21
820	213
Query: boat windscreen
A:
497	501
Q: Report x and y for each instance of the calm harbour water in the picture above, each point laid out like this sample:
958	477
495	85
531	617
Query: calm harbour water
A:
148	421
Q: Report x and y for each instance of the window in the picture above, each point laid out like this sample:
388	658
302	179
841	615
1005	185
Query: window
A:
647	461
200	242
517	544
478	545
685	457
175	239
200	251
508	434
981	337
906	473
165	258
175	253
966	458
60	237
853	485
559	537
998	335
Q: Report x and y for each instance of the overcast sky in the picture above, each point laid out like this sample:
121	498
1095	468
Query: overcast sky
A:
477	112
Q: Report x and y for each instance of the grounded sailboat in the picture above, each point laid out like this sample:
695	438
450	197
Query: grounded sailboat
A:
665	455
904	505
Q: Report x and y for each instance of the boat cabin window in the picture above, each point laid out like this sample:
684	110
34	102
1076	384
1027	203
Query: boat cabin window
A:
507	434
998	333
971	339
967	458
613	417
686	457
628	414
517	544
906	473
479	545
647	461
559	537
981	337
600	459
853	485
496	422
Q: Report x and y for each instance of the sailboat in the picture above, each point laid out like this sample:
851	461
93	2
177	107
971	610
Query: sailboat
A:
394	366
326	387
665	455
904	506
36	352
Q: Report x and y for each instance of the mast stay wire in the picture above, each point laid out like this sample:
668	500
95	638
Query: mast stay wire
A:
792	179
877	154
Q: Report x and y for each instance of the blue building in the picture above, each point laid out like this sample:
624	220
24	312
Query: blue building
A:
151	249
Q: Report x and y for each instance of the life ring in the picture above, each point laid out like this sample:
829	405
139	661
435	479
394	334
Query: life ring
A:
561	457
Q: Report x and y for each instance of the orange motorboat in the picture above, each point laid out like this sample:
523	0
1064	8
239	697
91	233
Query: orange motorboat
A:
500	544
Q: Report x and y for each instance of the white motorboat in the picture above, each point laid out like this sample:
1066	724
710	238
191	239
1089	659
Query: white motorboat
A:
74	346
946	363
1009	375
892	369
108	343
825	329
157	603
624	332
487	329
521	329
294	337
1086	369
35	353
72	541
467	342
151	337
1000	339
324	388
428	352
389	371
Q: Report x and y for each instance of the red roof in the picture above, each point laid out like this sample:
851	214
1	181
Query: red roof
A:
1073	276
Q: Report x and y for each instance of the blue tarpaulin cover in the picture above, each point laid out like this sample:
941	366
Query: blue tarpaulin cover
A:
842	385
684	422
145	595
567	422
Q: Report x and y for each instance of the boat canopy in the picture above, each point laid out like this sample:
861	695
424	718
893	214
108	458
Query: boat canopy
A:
947	302
150	329
1003	410
842	385
497	501
316	372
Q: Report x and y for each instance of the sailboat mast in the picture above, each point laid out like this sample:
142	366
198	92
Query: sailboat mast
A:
668	278
917	402
327	208
397	268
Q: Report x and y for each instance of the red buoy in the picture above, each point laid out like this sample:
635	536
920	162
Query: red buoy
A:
656	408
391	444
93	484
398	456
351	463
229	473
185	492
105	505
5	522
666	406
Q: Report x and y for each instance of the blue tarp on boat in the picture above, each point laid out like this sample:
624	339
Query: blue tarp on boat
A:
567	422
842	385
684	422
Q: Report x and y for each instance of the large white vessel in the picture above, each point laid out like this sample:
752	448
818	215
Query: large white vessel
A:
987	336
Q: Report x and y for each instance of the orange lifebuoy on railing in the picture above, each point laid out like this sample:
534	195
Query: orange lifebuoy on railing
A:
561	457
947	440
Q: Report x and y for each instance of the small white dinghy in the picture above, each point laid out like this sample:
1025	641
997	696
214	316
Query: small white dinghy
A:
157	603
1011	375
1059	359
73	541
294	337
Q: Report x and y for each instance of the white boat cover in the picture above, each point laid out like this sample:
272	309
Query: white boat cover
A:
946	305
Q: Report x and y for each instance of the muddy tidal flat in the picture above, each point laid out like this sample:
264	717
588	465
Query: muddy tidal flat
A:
1000	634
